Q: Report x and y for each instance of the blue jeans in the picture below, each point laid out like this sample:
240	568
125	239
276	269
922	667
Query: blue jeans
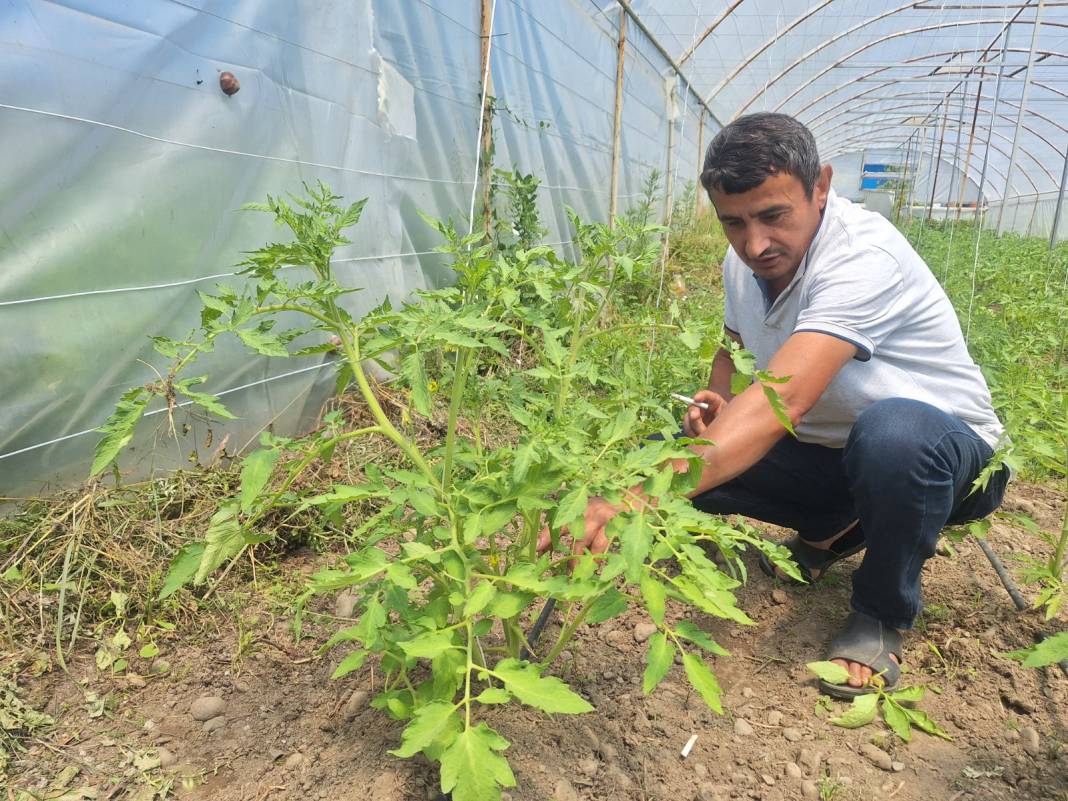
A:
906	472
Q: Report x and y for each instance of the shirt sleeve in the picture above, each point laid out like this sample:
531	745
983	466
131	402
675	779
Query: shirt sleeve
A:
856	297
729	321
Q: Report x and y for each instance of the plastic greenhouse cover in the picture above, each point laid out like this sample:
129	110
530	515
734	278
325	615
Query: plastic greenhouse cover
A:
127	163
131	165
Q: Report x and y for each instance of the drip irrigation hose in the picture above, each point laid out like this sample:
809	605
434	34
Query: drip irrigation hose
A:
1014	592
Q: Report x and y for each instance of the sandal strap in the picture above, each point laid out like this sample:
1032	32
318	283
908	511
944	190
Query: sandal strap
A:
869	641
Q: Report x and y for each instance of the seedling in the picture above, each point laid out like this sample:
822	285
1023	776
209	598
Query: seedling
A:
897	706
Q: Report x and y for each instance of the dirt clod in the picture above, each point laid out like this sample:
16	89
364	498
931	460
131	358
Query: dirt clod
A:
207	707
1032	743
743	728
779	596
643	631
355	704
214	723
793	770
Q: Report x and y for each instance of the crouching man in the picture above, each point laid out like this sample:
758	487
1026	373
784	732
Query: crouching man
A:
893	418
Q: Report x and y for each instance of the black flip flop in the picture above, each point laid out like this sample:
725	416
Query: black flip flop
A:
870	642
809	558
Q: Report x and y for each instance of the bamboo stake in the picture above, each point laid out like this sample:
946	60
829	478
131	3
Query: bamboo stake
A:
486	164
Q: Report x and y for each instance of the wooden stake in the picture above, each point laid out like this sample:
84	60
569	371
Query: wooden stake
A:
617	123
700	160
486	156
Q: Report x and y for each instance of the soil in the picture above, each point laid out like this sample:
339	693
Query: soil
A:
288	732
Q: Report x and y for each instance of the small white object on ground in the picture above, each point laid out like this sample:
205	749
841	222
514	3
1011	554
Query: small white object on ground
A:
689	746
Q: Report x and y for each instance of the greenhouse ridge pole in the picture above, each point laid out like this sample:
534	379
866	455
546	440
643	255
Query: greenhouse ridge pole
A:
667	56
1060	204
980	201
617	120
938	158
1023	110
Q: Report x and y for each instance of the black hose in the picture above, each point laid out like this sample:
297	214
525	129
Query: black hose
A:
524	653
1013	590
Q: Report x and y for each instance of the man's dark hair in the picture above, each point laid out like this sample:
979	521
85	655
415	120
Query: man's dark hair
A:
756	146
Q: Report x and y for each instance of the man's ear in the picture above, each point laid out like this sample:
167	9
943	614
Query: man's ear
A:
823	185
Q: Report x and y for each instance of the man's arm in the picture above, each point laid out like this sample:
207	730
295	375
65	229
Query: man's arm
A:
747	427
743	430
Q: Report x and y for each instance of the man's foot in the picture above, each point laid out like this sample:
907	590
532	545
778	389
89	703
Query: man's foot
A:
865	647
813	558
860	674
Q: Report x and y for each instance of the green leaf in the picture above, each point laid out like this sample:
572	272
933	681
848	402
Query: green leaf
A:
829	672
654	594
205	400
690	631
353	661
479	597
610	604
920	720
524	457
472	770
546	693
908	695
621	426
118	430
183	568
572	506
703	681
414	372
148	651
509	604
494	695
345	493
740	382
861	713
223	540
778	407
1049	651
432	722
896	719
263	342
659	657
428	645
636	538
256	471
744	361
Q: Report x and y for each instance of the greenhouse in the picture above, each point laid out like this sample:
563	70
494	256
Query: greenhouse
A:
459	399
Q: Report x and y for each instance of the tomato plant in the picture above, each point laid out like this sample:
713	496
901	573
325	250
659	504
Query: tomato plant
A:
447	568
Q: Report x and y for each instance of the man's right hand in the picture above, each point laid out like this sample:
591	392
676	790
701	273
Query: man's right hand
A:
696	420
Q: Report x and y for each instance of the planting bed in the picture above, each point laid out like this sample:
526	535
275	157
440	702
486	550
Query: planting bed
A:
287	732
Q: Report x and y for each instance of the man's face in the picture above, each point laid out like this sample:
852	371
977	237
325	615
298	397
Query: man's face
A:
771	226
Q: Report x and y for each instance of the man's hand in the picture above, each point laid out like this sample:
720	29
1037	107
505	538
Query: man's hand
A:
598	513
696	420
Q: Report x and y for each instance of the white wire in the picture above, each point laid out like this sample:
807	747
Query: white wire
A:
161	410
481	117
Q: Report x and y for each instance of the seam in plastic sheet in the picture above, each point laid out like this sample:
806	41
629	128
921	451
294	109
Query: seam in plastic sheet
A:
281	159
189	281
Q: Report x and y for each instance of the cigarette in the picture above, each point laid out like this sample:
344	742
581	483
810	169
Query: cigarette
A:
688	400
689	746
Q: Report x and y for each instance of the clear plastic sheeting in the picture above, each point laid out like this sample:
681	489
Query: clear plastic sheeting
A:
127	163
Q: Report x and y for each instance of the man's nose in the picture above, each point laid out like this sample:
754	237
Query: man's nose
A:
757	242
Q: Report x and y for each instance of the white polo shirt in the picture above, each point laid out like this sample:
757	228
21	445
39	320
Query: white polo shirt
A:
861	281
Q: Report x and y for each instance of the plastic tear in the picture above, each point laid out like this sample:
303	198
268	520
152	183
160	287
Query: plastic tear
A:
396	99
